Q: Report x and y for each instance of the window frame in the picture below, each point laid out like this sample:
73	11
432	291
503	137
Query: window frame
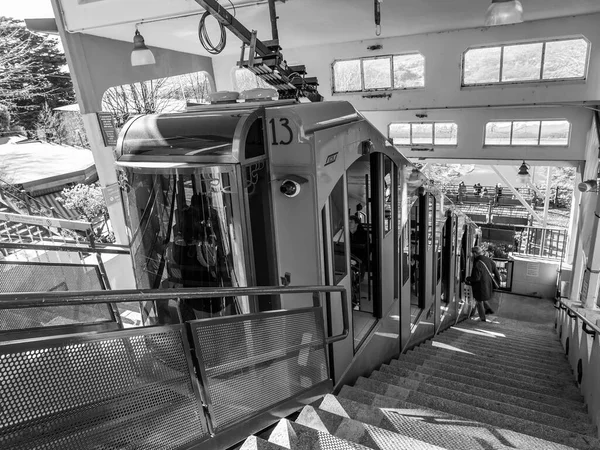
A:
362	73
433	124
541	78
539	144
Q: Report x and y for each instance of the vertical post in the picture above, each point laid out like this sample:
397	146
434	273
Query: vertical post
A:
273	15
572	236
547	196
88	100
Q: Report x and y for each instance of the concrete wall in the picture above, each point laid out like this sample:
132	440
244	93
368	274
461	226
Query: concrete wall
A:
535	277
443	53
471	125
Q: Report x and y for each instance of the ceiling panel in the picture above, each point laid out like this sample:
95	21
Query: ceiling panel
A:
301	22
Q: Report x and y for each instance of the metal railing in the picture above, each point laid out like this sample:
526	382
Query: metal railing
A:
73	298
542	242
211	382
578	336
586	326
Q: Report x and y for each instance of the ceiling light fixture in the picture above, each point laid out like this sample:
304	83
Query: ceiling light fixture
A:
504	12
523	176
141	55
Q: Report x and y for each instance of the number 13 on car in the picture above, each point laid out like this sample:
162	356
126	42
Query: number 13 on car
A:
281	131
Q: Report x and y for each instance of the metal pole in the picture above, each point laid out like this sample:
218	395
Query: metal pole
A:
547	197
519	196
273	15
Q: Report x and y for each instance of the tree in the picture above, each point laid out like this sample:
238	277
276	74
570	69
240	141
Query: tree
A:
155	96
61	127
86	200
4	119
446	174
33	73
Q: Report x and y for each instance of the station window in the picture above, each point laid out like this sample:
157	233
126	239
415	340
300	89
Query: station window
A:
528	132
424	133
551	60
379	73
244	80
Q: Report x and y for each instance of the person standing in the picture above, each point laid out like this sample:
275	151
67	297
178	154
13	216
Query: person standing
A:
498	194
462	190
482	279
360	214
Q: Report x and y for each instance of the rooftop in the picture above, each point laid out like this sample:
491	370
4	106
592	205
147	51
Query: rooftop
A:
34	161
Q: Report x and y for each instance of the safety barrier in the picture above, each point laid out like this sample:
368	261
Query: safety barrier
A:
580	337
208	382
542	242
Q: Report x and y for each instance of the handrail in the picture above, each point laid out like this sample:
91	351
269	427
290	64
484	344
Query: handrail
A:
66	298
588	327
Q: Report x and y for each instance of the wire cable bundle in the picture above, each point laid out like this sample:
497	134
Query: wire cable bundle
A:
205	39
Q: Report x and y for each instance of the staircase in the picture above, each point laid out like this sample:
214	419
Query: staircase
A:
477	386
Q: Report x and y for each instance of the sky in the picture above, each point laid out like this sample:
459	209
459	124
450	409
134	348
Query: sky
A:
21	9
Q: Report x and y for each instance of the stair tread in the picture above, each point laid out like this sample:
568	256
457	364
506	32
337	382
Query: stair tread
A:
474	342
511	345
429	425
482	415
484	358
575	409
497	325
492	365
517	327
562	389
494	402
370	436
541	363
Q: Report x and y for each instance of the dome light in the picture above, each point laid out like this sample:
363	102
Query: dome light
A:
504	12
141	55
523	176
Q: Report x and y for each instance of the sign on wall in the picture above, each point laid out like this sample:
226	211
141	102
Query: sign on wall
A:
107	128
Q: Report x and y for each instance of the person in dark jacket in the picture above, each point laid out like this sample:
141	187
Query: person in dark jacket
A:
359	241
481	282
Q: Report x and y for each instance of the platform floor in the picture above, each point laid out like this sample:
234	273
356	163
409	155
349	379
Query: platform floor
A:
519	307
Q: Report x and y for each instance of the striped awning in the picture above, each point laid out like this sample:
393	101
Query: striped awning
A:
50	201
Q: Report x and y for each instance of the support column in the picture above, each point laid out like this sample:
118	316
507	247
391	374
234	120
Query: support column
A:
573	223
591	276
89	102
547	196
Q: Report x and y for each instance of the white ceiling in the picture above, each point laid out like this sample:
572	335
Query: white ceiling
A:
301	22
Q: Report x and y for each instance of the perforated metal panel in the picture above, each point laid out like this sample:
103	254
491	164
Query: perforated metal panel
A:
45	277
111	391
253	362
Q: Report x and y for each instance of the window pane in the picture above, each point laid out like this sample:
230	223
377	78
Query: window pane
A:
400	133
446	134
346	76
555	132
497	133
522	62
387	194
245	80
526	133
565	59
336	202
482	65
409	71
422	133
377	73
